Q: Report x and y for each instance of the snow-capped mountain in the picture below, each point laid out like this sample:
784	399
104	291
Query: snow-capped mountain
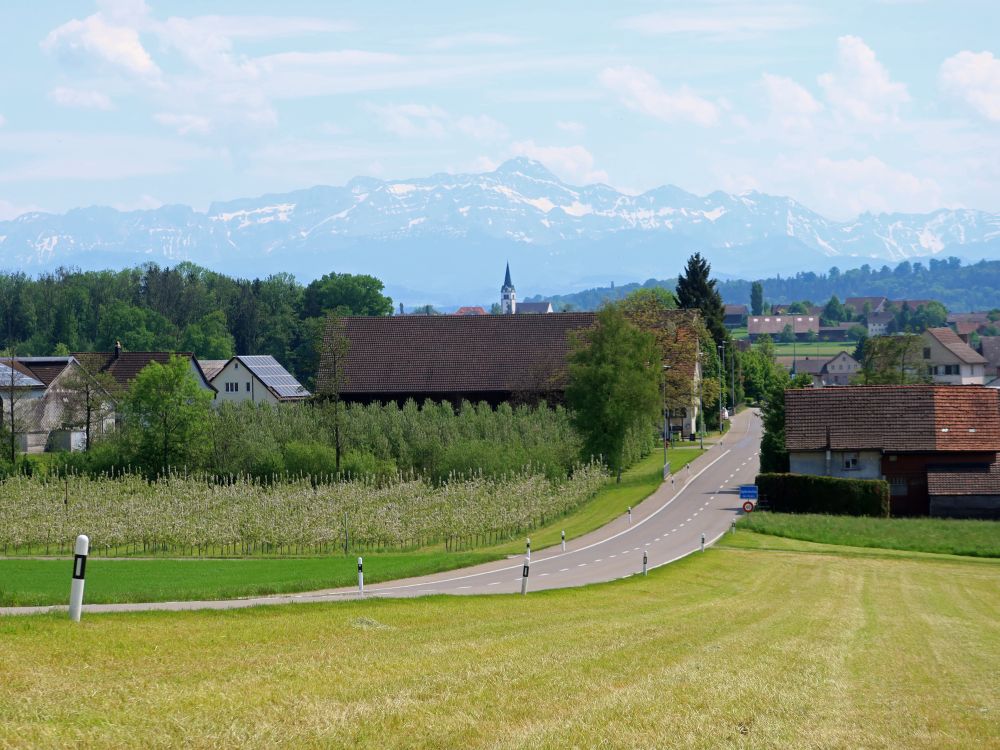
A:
421	232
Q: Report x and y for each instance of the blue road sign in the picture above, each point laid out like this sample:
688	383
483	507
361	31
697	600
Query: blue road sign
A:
748	492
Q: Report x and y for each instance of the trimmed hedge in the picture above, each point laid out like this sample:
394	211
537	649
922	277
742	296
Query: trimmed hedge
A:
804	493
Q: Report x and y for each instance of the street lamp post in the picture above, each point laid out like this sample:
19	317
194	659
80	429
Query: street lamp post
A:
722	380
701	401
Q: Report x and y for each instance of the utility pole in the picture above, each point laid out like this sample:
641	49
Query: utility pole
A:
722	380
732	367
666	425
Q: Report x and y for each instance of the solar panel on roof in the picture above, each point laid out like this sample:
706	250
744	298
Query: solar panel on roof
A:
20	379
274	376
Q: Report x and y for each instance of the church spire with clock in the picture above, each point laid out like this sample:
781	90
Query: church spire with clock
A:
508	297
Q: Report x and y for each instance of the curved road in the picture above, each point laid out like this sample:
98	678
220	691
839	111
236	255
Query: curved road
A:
702	499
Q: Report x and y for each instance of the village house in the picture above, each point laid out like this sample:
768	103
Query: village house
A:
47	414
825	371
259	379
936	445
123	365
950	360
879	322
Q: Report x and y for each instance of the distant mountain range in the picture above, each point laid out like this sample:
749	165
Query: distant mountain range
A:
444	239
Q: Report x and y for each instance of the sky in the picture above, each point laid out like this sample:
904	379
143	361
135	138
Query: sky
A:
846	107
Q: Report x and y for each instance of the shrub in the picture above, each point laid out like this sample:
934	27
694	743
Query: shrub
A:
311	459
803	493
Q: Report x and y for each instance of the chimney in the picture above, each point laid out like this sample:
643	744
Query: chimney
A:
118	348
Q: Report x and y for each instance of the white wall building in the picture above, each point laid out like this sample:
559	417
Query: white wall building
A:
950	360
259	379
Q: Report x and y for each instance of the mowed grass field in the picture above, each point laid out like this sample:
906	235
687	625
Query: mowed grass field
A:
942	536
731	648
27	582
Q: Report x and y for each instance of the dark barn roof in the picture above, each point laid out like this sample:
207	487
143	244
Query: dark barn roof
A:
914	418
124	366
453	355
983	480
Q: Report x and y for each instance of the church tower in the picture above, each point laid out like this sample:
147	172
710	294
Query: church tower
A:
508	297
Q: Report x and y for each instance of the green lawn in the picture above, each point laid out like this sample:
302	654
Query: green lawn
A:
25	581
732	648
31	581
818	349
944	536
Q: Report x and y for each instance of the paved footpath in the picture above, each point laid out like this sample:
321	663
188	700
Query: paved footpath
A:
668	525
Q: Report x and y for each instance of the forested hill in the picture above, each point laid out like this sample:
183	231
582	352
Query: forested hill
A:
184	308
959	287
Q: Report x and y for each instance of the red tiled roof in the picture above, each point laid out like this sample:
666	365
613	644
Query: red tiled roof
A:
967	481
914	418
472	310
736	310
967	327
950	341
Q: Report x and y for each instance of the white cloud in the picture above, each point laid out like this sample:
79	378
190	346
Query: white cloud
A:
791	105
571	127
10	210
974	78
640	91
105	39
729	20
3	121
81	98
572	163
423	121
861	88
185	124
846	187
472	39
482	128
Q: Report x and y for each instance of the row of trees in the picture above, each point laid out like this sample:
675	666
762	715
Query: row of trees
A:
184	308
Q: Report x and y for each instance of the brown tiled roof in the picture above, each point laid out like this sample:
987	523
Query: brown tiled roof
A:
212	367
893	418
881	318
455	353
950	341
127	365
45	369
775	324
970	317
857	304
470	310
966	327
966	481
736	310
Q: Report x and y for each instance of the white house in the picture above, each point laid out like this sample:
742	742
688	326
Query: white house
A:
259	379
43	404
950	360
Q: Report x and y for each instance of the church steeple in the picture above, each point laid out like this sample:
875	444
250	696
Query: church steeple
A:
508	297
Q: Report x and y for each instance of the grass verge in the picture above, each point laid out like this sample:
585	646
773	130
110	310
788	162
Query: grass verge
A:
732	648
939	535
37	582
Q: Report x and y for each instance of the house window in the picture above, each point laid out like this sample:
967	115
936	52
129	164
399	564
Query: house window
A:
248	386
851	462
897	486
951	370
927	352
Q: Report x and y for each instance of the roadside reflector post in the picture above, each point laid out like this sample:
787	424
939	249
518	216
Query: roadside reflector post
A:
564	541
361	577
527	552
703	541
80	553
645	559
524	578
630	515
732	529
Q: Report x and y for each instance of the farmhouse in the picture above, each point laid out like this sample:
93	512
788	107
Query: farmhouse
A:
774	325
950	360
909	435
46	416
735	316
878	323
123	366
259	379
492	358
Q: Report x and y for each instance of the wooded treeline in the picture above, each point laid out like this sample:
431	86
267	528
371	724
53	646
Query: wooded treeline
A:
183	308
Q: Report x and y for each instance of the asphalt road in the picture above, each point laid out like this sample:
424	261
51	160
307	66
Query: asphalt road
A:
702	499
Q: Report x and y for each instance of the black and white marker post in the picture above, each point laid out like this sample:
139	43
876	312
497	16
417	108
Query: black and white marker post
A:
630	515
564	541
703	541
524	578
81	551
645	560
361	577
527	552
